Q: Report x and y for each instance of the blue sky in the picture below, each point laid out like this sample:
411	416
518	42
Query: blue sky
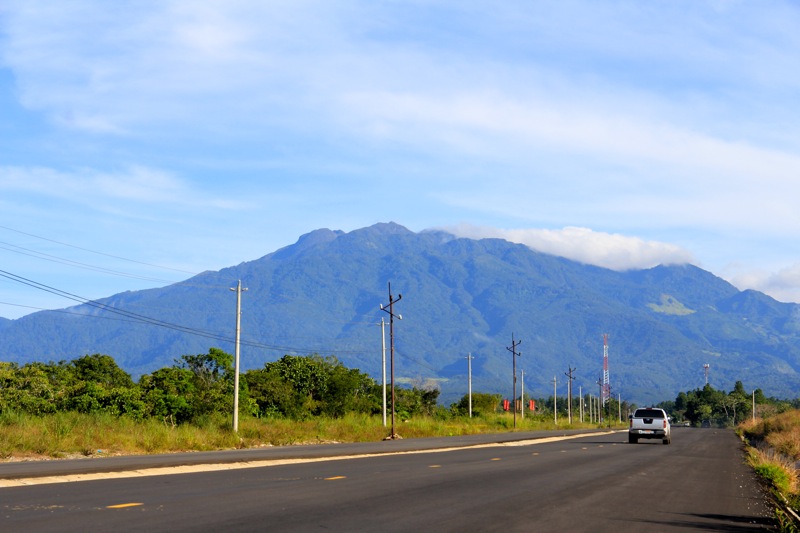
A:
146	141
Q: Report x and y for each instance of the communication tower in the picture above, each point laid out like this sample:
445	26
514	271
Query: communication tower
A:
705	369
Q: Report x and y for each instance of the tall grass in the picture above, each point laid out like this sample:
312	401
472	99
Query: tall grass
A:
774	454
67	434
70	434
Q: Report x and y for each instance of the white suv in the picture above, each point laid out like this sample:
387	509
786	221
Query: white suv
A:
649	423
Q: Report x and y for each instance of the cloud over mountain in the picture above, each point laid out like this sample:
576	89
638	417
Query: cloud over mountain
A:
612	251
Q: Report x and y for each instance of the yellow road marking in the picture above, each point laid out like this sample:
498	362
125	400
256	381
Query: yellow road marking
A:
163	471
335	477
495	459
434	466
123	505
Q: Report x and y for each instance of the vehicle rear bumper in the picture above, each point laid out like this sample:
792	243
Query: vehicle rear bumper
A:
648	433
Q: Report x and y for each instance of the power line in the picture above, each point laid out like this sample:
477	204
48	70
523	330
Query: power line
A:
96	252
130	316
56	259
104	307
136	317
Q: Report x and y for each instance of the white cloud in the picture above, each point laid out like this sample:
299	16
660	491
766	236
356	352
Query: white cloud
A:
613	251
675	117
103	190
181	65
782	284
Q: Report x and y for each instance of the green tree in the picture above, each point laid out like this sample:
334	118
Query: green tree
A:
482	404
169	393
96	383
415	402
303	386
740	403
273	395
308	376
349	390
101	370
27	389
212	380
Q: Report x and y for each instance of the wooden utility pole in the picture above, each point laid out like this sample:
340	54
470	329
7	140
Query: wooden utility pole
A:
513	350
569	391
390	309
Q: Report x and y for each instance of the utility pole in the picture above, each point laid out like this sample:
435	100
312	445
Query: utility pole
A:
238	290
522	394
513	350
600	403
580	395
390	309
555	403
569	391
383	365
469	380
606	387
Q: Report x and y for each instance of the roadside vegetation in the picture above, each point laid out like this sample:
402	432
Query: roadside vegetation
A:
72	434
774	453
91	407
709	407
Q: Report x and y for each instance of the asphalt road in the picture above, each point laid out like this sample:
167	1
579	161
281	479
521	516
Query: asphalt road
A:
596	483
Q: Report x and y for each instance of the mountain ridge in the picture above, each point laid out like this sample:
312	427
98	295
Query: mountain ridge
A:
322	295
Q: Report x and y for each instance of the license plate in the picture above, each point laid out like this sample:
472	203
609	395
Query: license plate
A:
646	431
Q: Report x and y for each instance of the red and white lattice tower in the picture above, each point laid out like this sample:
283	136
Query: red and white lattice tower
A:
605	391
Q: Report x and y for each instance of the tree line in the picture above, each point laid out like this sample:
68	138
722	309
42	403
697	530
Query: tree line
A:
711	407
198	386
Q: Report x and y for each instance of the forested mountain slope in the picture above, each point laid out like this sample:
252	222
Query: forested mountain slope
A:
459	296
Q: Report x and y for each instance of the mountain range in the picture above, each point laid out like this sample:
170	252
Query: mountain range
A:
458	298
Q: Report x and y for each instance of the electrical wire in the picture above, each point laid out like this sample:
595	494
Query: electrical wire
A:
61	260
136	317
96	252
129	316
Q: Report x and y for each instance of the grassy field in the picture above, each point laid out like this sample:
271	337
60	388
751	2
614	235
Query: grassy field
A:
775	454
25	437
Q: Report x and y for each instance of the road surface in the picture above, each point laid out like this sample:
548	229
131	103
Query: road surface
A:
596	483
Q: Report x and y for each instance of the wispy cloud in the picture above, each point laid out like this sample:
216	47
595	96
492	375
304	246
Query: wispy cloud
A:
628	125
783	284
88	187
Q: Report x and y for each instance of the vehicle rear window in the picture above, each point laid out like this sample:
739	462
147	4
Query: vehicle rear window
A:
649	413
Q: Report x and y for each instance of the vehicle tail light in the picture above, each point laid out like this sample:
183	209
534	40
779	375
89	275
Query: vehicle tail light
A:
665	423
